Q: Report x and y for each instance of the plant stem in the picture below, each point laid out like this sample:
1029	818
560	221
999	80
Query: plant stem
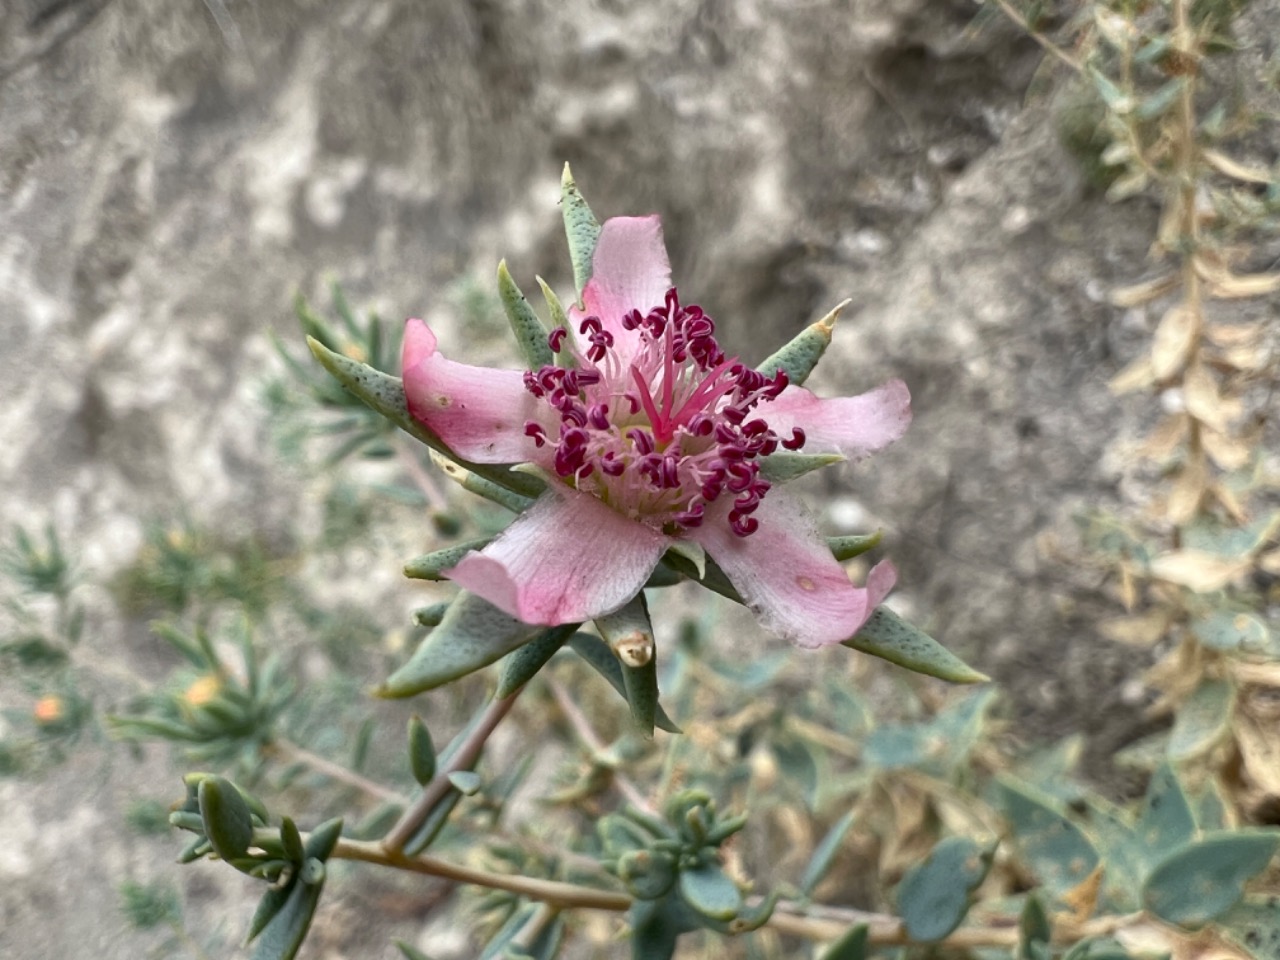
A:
552	892
1016	16
290	751
463	759
587	734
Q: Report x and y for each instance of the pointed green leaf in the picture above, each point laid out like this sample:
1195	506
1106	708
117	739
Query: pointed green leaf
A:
641	686
385	394
888	636
629	632
1034	929
433	824
824	854
798	358
493	949
1057	852
1203	721
324	839
846	548
580	228
227	821
934	896
521	666
430	566
784	467
1166	820
283	934
410	953
1165	97
291	841
1254	926
852	945
559	318
1202	880
692	551
271	903
473	634
601	659
422	752
531	335
710	892
466	782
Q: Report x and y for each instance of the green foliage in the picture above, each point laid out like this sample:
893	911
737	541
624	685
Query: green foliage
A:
148	905
935	895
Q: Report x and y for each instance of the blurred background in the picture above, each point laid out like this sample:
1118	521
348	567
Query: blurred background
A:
173	175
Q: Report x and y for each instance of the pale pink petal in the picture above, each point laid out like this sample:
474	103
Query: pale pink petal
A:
480	412
629	271
566	559
786	574
853	426
882	578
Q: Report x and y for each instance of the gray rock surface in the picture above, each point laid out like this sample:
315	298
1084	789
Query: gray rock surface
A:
172	173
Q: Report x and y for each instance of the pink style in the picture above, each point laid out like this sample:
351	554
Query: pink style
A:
652	436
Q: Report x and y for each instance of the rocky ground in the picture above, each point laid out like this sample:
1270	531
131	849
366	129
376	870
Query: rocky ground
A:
172	174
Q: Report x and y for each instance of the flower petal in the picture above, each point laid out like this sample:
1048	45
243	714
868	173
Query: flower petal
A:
566	559
480	412
853	426
788	577
629	271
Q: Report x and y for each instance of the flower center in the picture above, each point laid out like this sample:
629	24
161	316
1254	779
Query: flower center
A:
661	435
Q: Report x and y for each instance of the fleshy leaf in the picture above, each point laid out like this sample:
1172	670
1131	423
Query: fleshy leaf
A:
422	752
888	636
227	821
824	853
1166	820
519	668
473	634
934	896
385	394
1034	930
710	892
282	936
1202	880
531	334
430	566
801	354
851	945
597	653
580	228
1203	720
629	632
1055	849
559	318
481	487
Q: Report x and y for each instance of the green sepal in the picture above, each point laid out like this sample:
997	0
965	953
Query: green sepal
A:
935	895
798	358
519	668
227	820
851	945
713	578
429	566
824	853
647	874
422	752
385	395
846	548
324	839
598	655
473	634
431	616
1202	880
710	892
785	467
581	229
531	334
559	318
474	483
888	636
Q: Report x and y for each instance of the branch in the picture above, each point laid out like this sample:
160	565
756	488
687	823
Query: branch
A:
1013	14
463	759
290	751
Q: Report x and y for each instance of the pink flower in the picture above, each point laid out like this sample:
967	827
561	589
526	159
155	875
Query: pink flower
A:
654	436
